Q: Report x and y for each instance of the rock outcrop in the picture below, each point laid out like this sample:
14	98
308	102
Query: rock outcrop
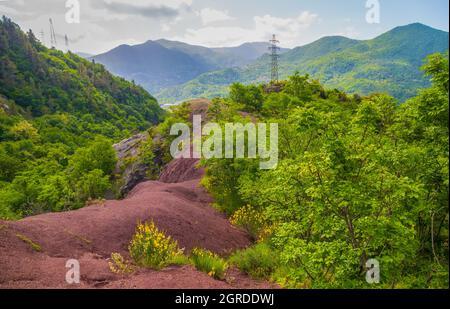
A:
130	169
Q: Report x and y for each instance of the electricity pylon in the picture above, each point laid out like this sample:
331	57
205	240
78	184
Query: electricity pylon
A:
274	58
53	42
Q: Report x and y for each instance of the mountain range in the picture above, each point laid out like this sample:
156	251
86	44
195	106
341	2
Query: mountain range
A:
159	64
175	71
388	63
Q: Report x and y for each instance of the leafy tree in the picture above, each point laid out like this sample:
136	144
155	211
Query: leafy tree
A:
250	96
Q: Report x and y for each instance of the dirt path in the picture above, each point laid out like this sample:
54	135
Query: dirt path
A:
34	251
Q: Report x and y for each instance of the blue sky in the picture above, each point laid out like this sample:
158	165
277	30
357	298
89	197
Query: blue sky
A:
105	24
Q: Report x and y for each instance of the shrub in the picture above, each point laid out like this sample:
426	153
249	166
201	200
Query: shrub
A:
250	96
250	219
259	261
152	248
209	262
119	265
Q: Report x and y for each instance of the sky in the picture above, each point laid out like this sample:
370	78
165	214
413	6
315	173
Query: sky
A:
102	25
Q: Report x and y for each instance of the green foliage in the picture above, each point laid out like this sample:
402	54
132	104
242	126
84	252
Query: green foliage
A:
437	68
298	86
278	104
209	262
98	156
249	96
358	178
46	81
59	116
259	261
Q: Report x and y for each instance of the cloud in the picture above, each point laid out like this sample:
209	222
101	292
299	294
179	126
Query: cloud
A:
143	10
104	9
209	16
28	9
288	27
218	36
289	30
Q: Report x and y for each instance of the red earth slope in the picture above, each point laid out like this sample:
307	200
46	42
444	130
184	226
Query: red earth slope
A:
177	204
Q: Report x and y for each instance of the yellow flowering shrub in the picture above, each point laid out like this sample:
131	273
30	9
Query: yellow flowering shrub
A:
152	248
209	262
252	220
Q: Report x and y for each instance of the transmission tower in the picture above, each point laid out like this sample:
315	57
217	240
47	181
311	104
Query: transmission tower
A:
66	40
53	42
42	36
274	58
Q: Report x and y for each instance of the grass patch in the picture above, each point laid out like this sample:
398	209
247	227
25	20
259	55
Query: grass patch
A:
83	239
209	262
28	241
179	260
259	261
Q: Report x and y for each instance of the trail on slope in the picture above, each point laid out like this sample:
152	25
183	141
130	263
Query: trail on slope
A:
176	203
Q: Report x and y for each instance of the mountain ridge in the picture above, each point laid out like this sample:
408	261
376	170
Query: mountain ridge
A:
172	62
385	63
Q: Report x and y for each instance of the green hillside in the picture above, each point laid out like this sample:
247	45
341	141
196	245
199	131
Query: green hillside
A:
389	63
59	116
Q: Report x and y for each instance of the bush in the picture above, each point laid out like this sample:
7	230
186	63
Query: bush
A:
250	96
152	248
209	262
250	219
259	261
92	185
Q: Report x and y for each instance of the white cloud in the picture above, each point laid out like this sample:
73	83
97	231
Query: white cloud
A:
289	31
151	9
175	4
217	36
165	27
209	16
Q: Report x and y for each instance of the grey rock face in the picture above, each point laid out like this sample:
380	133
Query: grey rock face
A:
130	169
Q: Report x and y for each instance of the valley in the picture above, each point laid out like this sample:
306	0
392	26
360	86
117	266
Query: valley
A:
362	174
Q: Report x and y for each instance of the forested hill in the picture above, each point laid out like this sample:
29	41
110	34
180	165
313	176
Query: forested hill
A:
159	64
59	117
39	81
388	63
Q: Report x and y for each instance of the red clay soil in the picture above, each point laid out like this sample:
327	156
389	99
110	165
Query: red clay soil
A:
177	205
